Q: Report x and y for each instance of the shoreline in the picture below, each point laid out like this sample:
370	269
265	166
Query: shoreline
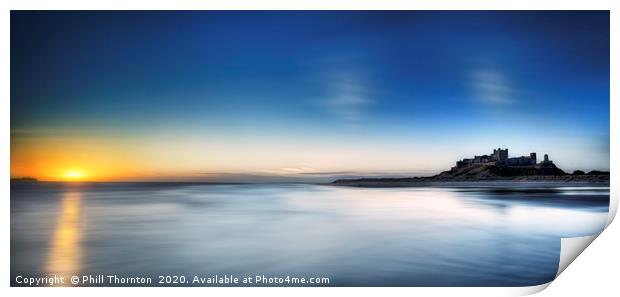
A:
520	181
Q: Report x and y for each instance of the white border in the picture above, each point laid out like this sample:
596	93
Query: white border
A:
568	285
314	5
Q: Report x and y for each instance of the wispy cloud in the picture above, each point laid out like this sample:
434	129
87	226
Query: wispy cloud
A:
34	131
298	170
347	98
492	87
28	135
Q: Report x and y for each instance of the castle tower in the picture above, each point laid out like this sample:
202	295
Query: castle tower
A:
546	158
500	155
533	158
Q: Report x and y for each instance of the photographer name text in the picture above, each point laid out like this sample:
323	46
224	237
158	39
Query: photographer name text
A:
169	280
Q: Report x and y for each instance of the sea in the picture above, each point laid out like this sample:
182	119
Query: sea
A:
312	234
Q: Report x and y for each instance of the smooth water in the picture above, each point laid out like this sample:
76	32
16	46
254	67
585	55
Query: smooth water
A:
354	236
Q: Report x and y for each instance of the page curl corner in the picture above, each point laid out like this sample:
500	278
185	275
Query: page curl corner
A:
571	248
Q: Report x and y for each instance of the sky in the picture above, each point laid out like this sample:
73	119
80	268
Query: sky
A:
303	95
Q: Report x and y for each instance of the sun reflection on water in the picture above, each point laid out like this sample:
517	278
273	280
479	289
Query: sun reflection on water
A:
65	250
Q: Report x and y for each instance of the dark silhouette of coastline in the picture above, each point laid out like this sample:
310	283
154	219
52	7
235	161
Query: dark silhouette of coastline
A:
24	180
496	167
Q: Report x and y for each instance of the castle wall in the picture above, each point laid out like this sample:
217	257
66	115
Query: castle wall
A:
499	156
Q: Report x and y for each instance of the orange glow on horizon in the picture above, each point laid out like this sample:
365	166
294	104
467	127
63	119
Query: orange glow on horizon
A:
72	159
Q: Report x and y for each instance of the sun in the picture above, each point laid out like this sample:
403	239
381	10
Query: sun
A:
74	174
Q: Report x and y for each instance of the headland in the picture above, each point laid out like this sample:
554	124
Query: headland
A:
493	169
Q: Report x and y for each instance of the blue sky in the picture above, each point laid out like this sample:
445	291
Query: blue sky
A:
388	91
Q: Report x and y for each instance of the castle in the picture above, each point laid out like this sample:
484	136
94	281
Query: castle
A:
500	157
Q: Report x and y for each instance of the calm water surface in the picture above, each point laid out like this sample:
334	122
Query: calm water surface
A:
354	236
